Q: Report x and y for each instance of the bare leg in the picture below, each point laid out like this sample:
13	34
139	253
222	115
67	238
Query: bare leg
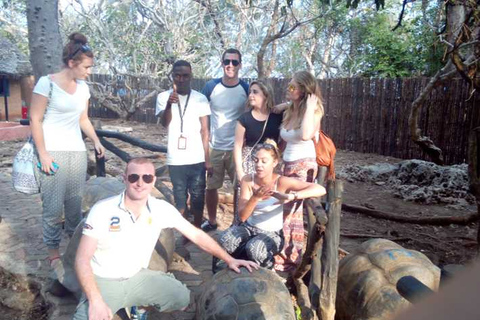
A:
212	203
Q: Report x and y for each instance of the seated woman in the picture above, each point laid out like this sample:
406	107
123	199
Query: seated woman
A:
262	194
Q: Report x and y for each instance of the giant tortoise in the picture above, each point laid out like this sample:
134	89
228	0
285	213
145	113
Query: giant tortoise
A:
259	295
367	279
97	189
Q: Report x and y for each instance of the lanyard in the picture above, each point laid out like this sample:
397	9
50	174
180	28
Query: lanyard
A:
184	110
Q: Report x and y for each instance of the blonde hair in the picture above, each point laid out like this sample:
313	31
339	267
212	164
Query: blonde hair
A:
307	85
274	151
267	92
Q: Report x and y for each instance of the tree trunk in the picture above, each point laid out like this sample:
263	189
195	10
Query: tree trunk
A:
44	38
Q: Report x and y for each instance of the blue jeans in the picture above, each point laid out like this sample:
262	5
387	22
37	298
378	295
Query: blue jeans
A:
189	178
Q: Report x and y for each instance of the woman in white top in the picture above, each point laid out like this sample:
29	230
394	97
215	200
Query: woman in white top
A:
259	237
58	114
301	123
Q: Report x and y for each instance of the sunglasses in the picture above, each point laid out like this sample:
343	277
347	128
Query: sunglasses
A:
235	63
147	178
291	88
84	48
267	146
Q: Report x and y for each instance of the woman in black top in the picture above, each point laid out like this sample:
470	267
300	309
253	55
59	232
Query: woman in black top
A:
254	126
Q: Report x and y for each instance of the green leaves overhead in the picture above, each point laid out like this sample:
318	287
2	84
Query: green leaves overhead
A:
354	4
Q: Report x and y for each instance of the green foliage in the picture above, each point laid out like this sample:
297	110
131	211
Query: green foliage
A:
13	23
381	52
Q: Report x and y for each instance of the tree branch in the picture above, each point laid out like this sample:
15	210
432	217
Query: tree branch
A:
425	143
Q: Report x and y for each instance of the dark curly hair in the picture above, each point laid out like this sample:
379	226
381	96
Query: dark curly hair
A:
76	48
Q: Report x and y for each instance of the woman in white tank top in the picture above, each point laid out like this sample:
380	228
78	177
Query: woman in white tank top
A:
262	195
301	123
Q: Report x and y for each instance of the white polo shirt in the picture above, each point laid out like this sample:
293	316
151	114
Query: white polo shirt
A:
125	245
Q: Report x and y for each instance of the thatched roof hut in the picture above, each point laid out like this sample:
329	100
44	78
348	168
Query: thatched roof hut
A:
13	63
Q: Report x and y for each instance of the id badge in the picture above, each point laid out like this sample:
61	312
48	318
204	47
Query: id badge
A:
182	143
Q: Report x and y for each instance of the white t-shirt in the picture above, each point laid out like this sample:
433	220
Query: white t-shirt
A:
296	148
197	107
227	104
61	123
124	245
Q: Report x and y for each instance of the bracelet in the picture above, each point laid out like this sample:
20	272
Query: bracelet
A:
295	195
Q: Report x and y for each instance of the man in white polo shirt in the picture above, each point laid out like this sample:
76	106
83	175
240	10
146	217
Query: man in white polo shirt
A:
118	239
185	113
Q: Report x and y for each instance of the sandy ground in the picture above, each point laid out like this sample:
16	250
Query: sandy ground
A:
443	245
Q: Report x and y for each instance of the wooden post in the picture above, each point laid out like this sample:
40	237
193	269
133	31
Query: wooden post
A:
317	219
5	94
329	259
100	162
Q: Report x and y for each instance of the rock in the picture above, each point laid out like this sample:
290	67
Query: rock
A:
246	296
367	280
99	188
21	297
416	180
117	129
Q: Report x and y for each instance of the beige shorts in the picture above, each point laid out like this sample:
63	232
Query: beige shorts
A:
221	161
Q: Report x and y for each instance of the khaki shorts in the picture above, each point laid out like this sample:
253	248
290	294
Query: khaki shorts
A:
221	161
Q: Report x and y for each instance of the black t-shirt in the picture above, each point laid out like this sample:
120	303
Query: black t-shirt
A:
254	128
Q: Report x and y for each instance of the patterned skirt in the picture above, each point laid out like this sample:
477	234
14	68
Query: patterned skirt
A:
293	230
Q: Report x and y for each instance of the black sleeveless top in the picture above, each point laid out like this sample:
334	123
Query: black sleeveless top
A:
254	128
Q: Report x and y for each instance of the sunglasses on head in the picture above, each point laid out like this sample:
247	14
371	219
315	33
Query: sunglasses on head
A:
84	48
267	146
147	178
226	62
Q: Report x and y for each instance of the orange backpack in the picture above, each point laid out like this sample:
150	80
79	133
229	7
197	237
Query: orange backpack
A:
325	150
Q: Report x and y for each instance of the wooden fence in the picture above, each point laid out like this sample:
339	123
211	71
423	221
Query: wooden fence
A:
367	115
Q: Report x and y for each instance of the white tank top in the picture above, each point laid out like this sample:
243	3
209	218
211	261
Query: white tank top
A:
268	214
296	148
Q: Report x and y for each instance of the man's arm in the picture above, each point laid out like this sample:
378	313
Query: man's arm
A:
166	114
97	309
206	243
205	132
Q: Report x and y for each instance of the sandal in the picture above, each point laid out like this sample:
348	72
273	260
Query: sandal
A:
51	260
57	270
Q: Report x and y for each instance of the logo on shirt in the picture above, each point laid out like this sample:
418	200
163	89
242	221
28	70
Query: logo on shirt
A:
86	226
114	224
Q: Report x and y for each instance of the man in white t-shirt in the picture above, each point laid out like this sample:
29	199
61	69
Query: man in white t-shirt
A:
227	96
118	239
185	113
